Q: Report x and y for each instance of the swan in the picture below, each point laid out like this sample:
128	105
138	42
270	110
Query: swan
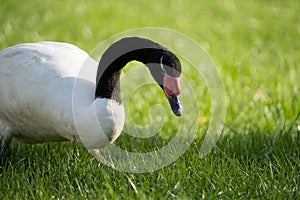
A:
37	90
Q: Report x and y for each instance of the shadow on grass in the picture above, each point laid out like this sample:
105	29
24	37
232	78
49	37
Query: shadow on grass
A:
263	143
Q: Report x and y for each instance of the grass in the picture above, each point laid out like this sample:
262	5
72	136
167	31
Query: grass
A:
256	46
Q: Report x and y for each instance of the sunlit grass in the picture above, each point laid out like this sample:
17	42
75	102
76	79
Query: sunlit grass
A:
256	46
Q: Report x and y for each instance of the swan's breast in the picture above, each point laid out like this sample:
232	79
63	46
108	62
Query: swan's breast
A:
100	124
112	119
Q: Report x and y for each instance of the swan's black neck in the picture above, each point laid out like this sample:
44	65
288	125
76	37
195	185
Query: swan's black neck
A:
157	58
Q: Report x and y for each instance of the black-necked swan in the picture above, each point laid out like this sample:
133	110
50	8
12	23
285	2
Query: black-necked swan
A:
37	82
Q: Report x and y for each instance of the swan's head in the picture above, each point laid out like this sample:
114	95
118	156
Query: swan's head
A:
172	84
167	75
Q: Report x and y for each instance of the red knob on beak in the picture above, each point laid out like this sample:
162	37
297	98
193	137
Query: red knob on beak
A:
172	92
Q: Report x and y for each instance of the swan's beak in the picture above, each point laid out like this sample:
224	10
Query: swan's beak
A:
176	105
172	92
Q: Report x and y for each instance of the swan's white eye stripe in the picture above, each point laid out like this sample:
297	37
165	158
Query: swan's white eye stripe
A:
162	66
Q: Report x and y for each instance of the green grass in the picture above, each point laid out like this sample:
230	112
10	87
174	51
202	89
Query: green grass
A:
256	46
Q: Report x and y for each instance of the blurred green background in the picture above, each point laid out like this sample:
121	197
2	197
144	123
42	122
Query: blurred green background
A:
256	46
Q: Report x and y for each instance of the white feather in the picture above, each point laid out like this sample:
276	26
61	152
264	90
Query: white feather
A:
47	93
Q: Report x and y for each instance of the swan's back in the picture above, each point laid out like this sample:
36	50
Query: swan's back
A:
36	84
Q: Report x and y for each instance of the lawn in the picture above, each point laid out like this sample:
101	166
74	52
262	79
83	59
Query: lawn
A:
256	46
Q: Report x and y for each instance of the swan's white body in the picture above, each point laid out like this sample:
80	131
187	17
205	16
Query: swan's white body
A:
36	97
